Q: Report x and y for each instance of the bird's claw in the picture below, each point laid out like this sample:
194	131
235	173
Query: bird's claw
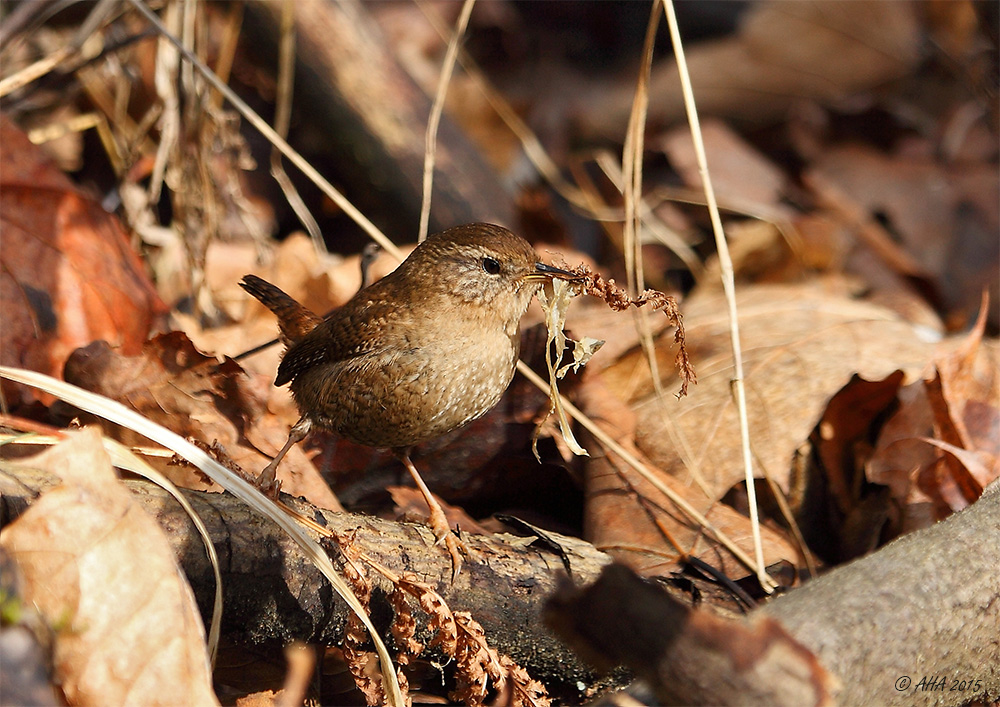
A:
443	534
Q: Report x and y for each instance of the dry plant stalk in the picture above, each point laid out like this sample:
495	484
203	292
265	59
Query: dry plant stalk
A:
434	120
618	299
588	282
728	285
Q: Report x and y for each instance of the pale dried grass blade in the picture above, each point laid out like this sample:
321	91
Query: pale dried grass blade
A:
643	471
43	66
268	132
612	169
729	286
434	120
632	155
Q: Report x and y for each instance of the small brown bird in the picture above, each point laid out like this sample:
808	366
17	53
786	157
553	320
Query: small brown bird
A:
427	349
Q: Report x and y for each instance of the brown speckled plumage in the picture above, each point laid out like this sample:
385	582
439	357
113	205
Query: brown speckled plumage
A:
422	352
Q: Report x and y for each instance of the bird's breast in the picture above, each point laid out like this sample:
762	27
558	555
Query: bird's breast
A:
413	389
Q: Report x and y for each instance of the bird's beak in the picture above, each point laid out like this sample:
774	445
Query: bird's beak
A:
545	273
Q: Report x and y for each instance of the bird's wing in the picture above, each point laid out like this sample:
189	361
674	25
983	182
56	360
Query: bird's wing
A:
356	329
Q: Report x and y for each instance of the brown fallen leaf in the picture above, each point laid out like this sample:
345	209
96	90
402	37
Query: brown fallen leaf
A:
845	425
899	457
68	275
942	447
194	395
627	517
942	219
801	345
126	626
783	52
743	178
839	515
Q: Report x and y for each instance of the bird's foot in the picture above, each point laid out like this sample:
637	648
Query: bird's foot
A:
443	534
267	483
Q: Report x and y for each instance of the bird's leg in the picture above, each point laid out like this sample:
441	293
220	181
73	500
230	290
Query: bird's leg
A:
437	521
266	482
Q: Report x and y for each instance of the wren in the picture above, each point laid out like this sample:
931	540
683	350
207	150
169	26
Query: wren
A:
423	351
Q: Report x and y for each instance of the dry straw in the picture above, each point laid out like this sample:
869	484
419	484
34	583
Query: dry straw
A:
729	287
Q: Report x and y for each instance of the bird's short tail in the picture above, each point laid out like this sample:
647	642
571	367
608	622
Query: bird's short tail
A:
294	320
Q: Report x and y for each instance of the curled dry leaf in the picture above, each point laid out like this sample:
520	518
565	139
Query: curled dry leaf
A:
361	663
461	637
475	662
404	628
940	446
742	176
195	395
630	519
525	691
441	622
127	628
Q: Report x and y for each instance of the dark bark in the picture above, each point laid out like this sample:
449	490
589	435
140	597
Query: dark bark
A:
925	606
917	622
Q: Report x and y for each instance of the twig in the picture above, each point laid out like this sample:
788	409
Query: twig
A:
632	154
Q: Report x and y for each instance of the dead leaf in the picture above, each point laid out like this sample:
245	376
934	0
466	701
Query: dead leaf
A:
800	346
127	628
845	426
194	395
957	410
68	275
976	470
627	517
945	217
783	53
742	177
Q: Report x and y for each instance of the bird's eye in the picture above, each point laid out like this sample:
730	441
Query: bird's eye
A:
491	265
